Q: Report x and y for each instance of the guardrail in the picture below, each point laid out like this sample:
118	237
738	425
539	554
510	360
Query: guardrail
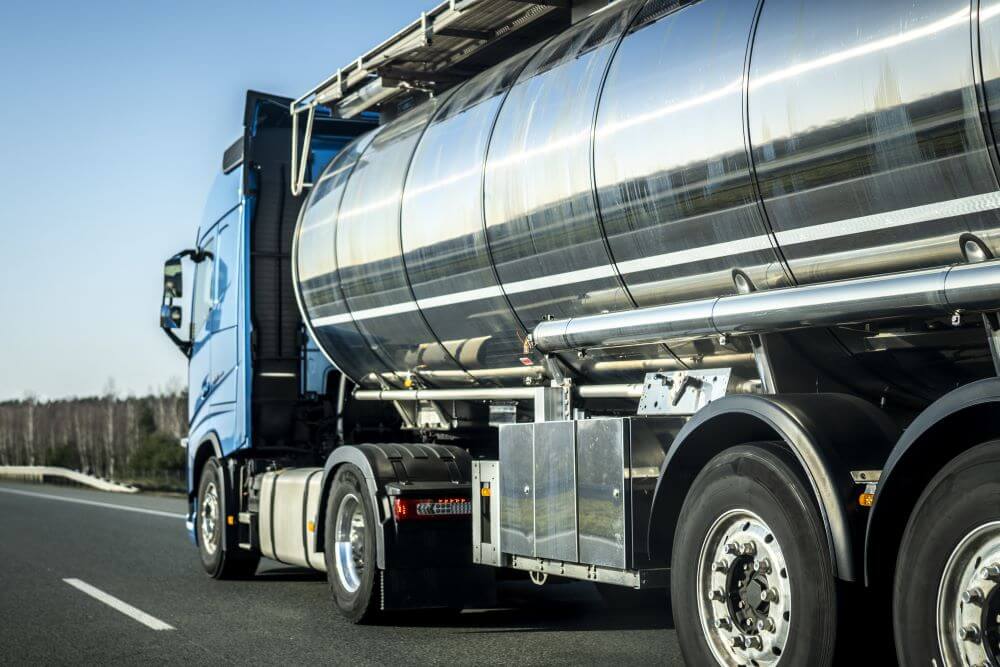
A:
41	473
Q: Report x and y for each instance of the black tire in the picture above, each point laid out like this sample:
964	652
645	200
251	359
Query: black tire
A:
762	478
964	495
354	592
620	598
219	562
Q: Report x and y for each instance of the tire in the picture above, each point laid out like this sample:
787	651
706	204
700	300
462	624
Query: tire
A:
956	522
219	562
753	494
350	547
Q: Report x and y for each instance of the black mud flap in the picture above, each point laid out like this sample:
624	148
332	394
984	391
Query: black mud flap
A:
472	586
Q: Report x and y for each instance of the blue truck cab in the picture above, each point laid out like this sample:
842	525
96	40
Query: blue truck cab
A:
254	374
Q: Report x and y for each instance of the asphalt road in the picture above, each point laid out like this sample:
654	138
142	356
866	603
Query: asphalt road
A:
143	559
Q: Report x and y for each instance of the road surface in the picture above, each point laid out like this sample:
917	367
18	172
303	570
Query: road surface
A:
92	577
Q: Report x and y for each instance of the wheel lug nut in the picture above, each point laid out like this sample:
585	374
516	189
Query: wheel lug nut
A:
765	625
990	572
969	633
718	595
723	624
732	549
755	642
973	596
769	595
721	566
762	565
739	641
748	549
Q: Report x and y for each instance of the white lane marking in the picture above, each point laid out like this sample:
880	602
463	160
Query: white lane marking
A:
116	604
941	210
96	503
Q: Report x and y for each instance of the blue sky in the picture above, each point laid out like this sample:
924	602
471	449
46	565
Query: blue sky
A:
113	119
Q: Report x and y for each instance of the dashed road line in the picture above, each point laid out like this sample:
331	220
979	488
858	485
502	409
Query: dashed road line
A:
136	614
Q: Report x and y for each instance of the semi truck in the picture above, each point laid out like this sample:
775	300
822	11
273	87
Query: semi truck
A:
691	296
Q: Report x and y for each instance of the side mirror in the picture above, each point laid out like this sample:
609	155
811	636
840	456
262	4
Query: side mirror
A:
173	278
171	317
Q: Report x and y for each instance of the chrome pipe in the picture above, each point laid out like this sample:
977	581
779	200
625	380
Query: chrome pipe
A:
470	394
610	391
672	364
926	293
494	393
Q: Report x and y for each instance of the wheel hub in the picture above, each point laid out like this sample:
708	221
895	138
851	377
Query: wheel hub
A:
968	605
350	542
209	518
744	591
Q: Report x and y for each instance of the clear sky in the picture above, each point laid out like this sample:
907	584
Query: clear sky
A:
113	119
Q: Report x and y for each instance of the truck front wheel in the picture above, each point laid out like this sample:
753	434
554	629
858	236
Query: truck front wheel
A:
946	597
210	521
751	578
350	546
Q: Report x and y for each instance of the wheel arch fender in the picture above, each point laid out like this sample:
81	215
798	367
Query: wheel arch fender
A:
356	455
383	464
960	419
828	434
208	447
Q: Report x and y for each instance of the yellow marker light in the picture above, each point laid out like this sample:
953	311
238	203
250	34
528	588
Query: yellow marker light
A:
310	526
408	382
485	492
230	520
866	499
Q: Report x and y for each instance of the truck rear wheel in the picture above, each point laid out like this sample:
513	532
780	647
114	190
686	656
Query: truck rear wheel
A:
210	522
751	577
350	546
946	597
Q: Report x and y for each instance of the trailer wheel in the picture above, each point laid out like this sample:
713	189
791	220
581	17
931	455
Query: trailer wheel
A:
946	596
218	561
752	582
350	546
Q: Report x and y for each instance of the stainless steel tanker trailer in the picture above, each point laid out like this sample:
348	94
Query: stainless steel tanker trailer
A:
698	296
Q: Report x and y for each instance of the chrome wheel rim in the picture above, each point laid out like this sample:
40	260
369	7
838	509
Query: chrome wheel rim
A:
210	518
968	600
350	542
744	591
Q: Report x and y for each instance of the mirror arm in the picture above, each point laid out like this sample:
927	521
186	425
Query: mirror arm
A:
183	345
197	255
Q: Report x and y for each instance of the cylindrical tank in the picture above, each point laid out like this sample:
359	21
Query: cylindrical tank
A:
642	157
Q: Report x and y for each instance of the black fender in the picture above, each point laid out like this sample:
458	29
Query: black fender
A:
829	435
956	422
432	468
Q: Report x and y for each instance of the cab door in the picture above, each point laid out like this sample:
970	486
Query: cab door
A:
200	363
223	327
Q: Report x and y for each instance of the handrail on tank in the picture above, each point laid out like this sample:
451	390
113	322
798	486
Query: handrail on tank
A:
359	86
926	293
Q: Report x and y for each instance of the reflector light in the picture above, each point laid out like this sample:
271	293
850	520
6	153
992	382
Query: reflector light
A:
409	509
866	499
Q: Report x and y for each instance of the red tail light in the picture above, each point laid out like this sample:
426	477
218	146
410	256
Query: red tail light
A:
416	509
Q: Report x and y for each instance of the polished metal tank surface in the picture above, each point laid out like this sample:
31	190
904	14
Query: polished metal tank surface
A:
645	156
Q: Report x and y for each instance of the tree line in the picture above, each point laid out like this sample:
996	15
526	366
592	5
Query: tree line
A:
109	436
